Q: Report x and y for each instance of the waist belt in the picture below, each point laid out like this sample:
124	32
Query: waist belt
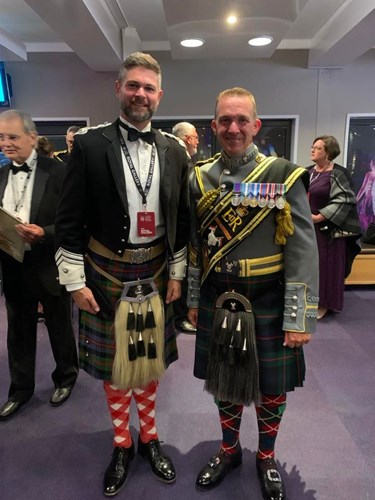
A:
245	268
130	255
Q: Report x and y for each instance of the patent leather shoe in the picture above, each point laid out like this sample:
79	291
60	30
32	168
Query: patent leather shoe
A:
60	395
214	472
161	464
117	471
186	327
9	409
271	482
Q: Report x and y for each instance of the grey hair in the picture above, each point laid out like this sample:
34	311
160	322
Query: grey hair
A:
27	122
182	129
73	128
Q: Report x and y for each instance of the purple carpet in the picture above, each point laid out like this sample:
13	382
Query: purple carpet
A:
325	448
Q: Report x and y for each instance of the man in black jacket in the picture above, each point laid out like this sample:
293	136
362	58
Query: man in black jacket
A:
127	189
29	189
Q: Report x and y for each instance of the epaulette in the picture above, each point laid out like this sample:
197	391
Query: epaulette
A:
57	154
84	130
200	163
180	141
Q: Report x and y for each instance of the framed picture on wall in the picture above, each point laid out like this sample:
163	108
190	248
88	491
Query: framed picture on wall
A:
360	161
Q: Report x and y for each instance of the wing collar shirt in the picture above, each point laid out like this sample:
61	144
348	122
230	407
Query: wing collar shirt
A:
19	190
140	153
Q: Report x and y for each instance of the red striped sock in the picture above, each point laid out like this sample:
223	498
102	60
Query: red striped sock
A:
269	415
230	420
119	406
145	399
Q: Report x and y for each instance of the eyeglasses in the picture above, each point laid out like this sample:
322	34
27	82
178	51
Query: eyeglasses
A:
316	148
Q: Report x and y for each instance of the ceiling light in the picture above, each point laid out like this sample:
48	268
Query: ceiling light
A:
259	41
232	19
192	42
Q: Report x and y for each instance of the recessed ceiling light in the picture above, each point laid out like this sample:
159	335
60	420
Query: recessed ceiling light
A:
232	19
259	41
192	42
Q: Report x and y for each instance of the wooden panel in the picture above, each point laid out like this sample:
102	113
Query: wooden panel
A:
363	270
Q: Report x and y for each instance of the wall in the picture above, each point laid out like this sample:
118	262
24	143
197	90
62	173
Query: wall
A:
61	85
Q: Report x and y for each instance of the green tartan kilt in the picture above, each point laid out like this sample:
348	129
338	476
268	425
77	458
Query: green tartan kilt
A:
281	369
96	335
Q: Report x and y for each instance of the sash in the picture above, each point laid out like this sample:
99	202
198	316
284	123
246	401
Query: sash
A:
234	222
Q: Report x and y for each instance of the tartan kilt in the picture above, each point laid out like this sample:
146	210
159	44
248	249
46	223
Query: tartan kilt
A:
96	335
281	369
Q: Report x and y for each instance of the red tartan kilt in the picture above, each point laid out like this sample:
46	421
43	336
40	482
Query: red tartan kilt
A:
281	369
96	335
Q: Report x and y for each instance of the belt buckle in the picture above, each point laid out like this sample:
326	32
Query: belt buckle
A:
140	255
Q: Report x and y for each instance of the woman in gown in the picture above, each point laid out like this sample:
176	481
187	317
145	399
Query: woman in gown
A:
333	208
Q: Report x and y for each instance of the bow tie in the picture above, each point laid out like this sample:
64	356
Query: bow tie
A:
134	134
23	168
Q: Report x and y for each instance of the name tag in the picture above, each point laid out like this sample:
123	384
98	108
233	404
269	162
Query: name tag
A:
146	224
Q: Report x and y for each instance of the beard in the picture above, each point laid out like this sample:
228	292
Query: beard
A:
135	114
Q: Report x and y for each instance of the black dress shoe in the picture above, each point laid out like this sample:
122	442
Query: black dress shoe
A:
60	395
161	464
186	327
9	409
271	482
217	468
117	471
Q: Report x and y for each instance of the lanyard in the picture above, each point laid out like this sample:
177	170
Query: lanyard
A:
142	192
18	203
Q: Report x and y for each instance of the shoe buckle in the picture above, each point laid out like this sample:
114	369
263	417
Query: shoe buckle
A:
273	476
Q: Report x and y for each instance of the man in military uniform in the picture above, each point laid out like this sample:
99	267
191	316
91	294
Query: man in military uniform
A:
64	155
254	263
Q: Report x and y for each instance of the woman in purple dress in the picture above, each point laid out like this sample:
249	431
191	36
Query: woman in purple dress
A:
333	207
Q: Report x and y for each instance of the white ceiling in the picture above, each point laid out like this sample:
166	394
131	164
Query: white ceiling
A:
103	32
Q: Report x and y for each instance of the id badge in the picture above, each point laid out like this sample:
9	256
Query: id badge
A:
146	224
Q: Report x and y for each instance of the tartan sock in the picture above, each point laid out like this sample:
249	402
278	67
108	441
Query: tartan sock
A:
119	406
146	399
230	420
269	415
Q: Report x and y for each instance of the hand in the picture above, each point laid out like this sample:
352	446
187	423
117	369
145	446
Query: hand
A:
294	339
192	315
173	291
30	233
85	300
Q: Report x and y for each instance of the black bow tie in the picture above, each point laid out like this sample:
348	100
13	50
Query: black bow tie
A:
23	168
134	134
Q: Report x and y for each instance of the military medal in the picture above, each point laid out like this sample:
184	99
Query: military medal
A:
246	187
236	194
271	195
263	195
254	202
280	201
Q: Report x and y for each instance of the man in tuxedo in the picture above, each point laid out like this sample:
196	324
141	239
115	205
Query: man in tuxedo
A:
127	188
188	134
29	189
64	155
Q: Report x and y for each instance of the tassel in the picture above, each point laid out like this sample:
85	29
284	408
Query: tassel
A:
151	348
140	324
131	349
285	226
130	322
141	350
237	339
150	319
231	355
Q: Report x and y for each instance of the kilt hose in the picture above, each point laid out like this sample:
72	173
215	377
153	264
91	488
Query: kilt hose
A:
281	369
97	345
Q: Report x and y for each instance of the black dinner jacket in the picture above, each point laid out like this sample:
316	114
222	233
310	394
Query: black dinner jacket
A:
94	193
49	176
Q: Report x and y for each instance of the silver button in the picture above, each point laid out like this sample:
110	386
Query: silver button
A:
65	270
294	297
82	276
119	251
293	315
